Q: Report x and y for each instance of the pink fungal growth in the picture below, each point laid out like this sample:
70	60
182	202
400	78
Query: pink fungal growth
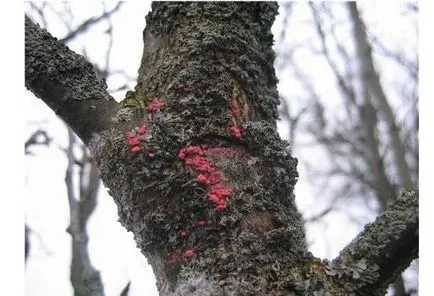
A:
183	234
151	155
136	137
189	253
134	141
173	259
233	126
198	164
201	223
235	109
221	207
236	132
143	130
136	149
155	105
204	180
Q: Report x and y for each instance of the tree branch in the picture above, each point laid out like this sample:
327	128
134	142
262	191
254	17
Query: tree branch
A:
82	28
39	137
385	248
66	82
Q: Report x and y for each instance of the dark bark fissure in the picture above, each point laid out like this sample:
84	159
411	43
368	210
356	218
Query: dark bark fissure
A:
194	162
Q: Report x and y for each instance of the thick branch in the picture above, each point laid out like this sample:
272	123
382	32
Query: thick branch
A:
66	82
385	248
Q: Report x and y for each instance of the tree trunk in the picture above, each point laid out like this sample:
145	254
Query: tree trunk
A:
194	163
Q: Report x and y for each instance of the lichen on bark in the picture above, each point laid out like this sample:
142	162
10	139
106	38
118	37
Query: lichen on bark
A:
71	88
199	174
212	66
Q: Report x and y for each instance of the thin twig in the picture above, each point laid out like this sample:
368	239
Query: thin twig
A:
88	23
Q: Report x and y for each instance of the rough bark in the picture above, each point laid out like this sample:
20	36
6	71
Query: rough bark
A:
385	248
66	82
198	171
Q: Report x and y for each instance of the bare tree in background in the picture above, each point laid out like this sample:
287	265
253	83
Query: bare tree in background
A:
85	279
82	179
37	138
373	153
157	155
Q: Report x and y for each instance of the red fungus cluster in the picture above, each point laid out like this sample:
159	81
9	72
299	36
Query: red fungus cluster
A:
173	258
235	109
197	163
233	127
136	139
201	223
236	132
155	105
183	234
197	160
189	253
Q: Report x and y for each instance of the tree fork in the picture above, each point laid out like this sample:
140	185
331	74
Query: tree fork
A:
194	163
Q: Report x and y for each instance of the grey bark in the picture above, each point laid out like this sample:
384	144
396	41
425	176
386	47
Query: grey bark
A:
206	83
70	89
384	243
